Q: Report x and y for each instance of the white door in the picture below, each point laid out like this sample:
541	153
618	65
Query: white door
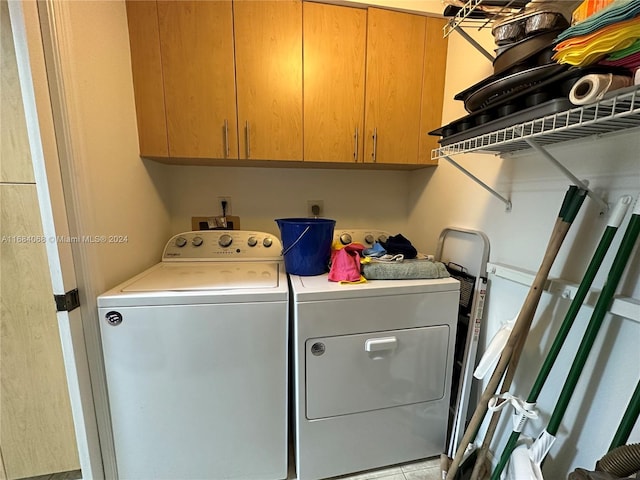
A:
25	23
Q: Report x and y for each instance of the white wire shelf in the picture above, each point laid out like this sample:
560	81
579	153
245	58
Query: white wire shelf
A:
465	18
615	114
462	16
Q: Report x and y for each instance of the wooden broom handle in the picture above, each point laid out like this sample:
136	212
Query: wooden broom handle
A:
517	338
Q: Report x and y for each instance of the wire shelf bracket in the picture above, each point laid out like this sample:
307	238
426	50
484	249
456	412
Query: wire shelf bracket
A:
584	185
504	200
475	44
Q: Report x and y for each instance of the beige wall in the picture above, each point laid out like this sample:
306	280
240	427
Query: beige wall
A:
355	199
119	193
445	197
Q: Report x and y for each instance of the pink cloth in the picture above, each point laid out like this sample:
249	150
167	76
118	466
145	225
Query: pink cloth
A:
345	263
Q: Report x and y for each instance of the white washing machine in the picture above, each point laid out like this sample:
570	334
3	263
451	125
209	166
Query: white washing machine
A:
372	366
195	352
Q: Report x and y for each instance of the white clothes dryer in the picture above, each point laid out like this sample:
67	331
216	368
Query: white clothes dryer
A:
195	353
372	366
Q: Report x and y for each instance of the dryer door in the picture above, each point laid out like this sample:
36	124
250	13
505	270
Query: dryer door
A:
357	373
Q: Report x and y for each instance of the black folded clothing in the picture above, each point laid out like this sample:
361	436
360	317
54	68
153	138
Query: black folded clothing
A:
399	244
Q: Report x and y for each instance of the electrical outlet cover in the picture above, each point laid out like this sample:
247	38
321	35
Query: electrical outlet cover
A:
312	205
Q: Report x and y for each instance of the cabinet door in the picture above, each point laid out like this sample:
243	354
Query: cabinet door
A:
334	66
395	55
15	165
268	42
435	63
196	41
146	66
36	433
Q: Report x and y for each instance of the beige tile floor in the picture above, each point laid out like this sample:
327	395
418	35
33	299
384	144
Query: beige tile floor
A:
428	469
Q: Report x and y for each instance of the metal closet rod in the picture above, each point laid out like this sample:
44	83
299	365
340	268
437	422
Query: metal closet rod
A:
604	207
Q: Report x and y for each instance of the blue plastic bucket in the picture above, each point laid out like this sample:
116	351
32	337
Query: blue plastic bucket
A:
306	244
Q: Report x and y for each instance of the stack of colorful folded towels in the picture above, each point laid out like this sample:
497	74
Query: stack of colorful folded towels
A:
610	36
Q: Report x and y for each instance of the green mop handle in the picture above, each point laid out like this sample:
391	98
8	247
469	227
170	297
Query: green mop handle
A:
583	289
628	420
605	242
597	317
571	204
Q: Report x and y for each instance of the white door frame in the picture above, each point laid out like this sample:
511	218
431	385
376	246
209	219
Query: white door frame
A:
39	36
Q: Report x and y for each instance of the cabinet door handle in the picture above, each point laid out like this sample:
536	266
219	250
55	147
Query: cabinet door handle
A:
375	144
226	137
247	137
355	147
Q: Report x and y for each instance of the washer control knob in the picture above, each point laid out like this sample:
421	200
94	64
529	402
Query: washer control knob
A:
369	239
252	241
267	242
345	239
197	241
181	242
382	238
225	240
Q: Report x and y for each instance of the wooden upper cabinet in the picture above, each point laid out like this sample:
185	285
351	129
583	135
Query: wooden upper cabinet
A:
196	41
334	73
395	56
268	42
435	61
218	79
146	66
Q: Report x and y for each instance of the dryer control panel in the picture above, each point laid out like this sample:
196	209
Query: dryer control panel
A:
366	237
222	244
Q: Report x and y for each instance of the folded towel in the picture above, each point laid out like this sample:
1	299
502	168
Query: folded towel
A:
587	49
409	269
619	11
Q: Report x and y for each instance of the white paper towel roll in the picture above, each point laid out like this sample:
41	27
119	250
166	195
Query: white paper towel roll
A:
593	87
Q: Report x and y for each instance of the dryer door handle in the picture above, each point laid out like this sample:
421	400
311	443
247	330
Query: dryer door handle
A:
383	343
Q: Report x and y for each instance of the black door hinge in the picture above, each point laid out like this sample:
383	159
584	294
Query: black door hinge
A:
67	302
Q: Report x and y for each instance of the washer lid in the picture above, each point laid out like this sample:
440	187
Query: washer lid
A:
196	276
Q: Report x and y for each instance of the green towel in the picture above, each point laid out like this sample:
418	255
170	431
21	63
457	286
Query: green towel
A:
407	270
625	52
